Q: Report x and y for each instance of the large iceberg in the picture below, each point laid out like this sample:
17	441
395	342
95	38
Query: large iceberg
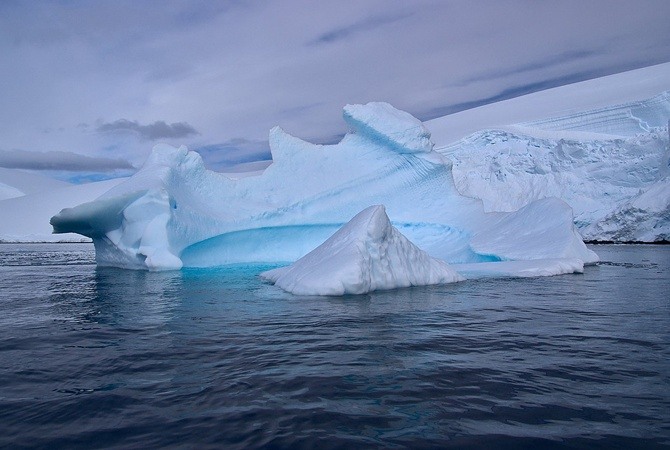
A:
173	212
643	218
610	164
366	254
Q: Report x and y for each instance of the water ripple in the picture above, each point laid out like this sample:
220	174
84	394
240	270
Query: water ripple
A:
109	358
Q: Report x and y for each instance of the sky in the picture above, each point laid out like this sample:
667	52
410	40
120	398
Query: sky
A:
88	87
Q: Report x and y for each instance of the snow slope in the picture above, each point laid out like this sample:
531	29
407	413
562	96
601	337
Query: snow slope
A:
16	183
175	213
563	101
26	218
597	160
366	254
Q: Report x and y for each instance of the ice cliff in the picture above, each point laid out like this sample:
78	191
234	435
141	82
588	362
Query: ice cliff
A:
173	212
611	165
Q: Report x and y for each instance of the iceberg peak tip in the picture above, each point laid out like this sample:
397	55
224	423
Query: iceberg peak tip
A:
387	125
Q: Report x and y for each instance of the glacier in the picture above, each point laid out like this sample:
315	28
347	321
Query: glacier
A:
174	213
366	254
610	164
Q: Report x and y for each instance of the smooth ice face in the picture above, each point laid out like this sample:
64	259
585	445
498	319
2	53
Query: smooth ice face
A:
174	212
366	254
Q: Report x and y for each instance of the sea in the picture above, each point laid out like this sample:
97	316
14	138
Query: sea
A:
107	358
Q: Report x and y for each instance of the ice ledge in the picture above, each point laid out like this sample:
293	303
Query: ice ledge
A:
521	269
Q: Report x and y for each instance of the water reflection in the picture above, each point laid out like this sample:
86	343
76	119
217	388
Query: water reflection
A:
137	298
111	296
178	357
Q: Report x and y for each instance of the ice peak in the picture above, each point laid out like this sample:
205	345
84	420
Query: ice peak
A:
366	254
381	122
283	144
378	223
166	155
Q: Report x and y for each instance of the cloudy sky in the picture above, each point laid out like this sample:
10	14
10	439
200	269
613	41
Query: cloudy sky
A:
106	80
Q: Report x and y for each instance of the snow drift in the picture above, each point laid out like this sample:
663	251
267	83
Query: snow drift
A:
173	212
366	254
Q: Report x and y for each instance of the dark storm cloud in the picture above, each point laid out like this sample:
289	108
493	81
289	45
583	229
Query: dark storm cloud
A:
151	132
58	160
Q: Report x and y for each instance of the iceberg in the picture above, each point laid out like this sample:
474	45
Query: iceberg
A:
25	218
174	213
521	269
643	218
366	254
598	161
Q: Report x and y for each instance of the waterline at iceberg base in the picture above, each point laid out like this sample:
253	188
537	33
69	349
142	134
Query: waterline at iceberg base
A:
174	213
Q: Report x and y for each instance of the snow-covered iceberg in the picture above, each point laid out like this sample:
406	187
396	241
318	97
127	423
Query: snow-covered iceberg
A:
609	164
366	254
173	212
643	218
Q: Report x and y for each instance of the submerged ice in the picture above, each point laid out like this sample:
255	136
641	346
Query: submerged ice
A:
173	212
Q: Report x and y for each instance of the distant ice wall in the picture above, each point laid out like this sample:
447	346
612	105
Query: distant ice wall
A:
627	119
571	158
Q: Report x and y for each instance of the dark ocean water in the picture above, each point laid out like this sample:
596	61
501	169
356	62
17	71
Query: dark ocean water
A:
97	358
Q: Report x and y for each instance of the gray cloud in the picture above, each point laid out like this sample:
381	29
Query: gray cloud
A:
366	25
540	64
58	160
516	91
236	69
151	132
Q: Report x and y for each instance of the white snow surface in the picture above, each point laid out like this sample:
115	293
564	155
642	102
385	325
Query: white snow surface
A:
643	218
598	145
366	254
7	191
173	212
564	102
597	178
16	183
600	161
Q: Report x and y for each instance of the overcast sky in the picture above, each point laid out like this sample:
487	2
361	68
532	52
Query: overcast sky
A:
109	79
